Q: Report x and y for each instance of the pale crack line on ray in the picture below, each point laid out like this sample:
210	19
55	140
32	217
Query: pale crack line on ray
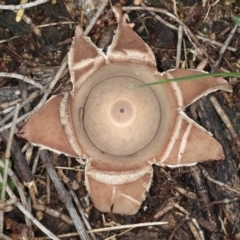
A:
131	199
183	143
66	121
132	55
86	62
176	132
96	62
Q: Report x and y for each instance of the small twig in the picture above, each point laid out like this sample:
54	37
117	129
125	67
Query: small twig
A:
179	46
190	12
19	187
29	99
10	139
221	184
223	201
91	4
179	224
208	11
29	153
23	87
9	191
20	162
224	48
185	54
32	194
35	163
21	6
7	152
203	194
163	211
9	39
148	224
21	77
55	24
52	212
9	104
225	31
213	42
226	120
186	193
48	189
223	228
64	195
6	163
35	221
192	222
7	126
195	229
81	210
157	17
97	15
236	223
52	84
175	10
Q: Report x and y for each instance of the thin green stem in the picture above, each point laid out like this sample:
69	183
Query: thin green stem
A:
192	77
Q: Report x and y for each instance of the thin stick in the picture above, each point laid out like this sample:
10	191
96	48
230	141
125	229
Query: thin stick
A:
21	77
19	188
7	153
21	6
97	15
52	212
157	17
81	211
55	24
179	46
6	163
127	226
6	159
35	221
64	195
226	120
9	39
29	99
224	48
216	43
221	184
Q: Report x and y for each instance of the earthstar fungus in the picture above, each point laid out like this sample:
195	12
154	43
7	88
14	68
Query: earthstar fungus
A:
123	130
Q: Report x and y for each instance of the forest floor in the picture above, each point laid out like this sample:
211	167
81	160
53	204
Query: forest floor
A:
198	202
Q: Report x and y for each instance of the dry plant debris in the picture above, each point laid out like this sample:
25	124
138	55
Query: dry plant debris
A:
200	202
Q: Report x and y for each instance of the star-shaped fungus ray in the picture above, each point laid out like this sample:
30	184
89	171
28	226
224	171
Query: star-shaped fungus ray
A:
124	130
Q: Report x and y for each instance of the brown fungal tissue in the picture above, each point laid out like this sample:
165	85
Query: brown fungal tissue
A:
124	130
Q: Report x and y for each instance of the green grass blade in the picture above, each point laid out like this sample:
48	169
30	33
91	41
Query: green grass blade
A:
192	77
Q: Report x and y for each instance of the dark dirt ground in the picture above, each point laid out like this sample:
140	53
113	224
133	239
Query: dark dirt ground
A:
193	205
